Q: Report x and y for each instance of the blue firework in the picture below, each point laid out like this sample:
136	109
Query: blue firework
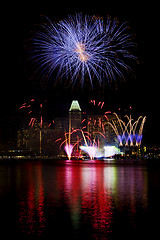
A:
82	47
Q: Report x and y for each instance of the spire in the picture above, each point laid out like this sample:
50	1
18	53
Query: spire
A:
75	106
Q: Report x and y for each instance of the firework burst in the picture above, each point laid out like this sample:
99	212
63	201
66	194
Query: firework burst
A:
84	47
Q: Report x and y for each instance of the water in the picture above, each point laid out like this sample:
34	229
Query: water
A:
85	200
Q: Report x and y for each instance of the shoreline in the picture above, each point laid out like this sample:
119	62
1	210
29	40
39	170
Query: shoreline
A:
56	160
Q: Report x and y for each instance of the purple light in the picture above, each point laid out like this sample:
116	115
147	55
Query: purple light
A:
129	139
84	46
90	150
68	148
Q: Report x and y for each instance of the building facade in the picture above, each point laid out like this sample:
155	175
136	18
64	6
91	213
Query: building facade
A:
98	127
41	139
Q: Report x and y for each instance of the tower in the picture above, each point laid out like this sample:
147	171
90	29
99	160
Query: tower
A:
74	121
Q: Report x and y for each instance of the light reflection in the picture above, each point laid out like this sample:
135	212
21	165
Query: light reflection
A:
31	209
89	193
96	201
99	189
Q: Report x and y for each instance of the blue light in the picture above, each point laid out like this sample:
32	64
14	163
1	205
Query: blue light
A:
84	46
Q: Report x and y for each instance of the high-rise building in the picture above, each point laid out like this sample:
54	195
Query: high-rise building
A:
29	139
75	119
41	139
75	115
98	127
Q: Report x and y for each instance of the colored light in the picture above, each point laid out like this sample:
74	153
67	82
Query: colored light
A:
68	148
82	46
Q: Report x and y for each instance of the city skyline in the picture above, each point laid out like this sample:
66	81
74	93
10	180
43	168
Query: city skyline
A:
78	133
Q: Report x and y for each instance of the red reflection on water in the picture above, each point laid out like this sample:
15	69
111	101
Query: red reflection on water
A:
89	193
31	210
96	208
93	191
85	192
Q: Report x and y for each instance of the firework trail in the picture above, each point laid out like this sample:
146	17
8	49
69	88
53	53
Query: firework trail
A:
128	133
89	145
33	108
84	47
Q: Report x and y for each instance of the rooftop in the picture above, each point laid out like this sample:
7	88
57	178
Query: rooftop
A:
75	106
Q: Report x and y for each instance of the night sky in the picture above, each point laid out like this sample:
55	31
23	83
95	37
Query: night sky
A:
18	82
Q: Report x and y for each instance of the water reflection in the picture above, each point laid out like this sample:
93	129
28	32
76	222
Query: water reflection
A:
91	194
31	202
96	201
86	201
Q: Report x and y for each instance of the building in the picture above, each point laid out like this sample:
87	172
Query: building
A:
75	119
43	139
28	139
98	127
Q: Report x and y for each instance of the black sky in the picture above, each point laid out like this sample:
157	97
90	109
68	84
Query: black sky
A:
18	84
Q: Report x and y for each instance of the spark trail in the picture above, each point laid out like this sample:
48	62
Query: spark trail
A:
84	47
128	133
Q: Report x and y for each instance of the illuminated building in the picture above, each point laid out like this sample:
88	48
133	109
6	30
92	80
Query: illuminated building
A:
97	124
93	132
75	118
75	115
37	140
40	139
28	139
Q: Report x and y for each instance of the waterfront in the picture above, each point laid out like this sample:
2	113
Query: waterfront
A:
79	200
